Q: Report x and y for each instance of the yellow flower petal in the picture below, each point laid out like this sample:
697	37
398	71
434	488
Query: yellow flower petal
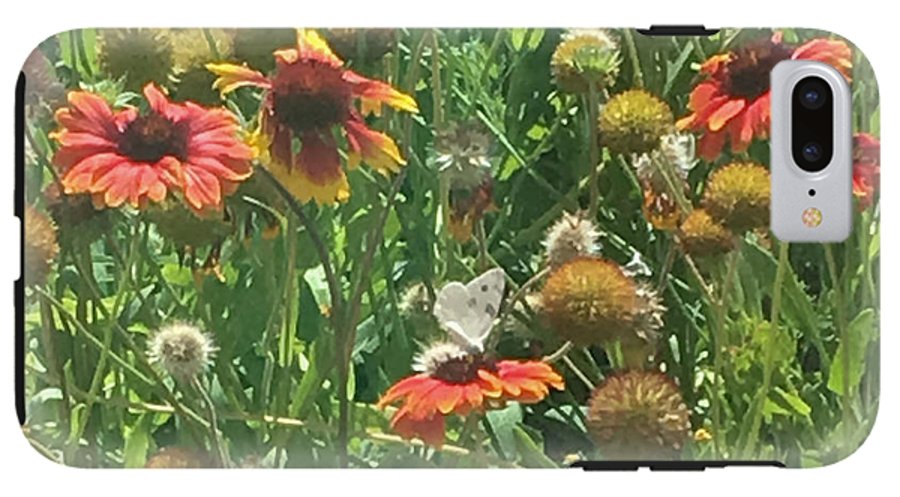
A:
233	76
312	40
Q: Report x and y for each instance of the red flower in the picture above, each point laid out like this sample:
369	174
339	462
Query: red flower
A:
131	156
732	102
866	168
308	97
459	383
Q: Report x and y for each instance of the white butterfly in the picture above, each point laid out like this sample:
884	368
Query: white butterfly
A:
468	311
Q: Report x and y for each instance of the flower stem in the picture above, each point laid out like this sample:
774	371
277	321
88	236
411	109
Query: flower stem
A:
436	87
635	61
214	439
769	355
593	108
840	311
559	353
720	307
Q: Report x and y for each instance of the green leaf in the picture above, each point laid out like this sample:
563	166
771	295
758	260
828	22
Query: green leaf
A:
796	403
860	332
137	442
503	422
673	69
771	408
177	275
531	453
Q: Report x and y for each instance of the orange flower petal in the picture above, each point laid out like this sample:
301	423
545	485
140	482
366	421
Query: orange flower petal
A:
375	92
725	113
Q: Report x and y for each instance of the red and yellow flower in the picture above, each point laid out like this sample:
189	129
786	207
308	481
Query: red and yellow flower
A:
307	98
732	102
134	156
457	382
866	168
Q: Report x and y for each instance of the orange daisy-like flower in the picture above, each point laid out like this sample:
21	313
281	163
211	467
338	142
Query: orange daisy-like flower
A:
133	156
866	168
308	97
733	100
455	381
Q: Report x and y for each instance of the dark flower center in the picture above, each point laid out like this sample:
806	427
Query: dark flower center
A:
310	95
464	369
150	138
747	73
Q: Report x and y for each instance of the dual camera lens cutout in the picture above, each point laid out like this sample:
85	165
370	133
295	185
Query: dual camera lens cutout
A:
812	122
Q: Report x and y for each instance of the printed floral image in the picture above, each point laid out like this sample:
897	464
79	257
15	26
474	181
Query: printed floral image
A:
347	247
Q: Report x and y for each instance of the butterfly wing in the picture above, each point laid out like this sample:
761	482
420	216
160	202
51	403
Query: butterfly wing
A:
485	295
468	311
453	312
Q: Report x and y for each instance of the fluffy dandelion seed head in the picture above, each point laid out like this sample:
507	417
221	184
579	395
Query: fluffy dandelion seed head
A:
451	363
140	56
649	315
41	245
737	195
590	300
363	45
182	350
462	151
661	170
415	301
186	228
638	415
585	57
571	236
634	122
702	236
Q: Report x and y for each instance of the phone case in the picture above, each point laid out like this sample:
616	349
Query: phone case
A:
432	248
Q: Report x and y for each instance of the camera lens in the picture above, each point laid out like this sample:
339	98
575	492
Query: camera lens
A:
812	152
812	124
812	94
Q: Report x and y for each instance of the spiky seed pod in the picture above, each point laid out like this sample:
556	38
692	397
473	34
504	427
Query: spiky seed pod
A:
634	121
570	237
362	45
182	350
177	458
75	216
42	86
648	322
737	195
700	235
638	415
585	57
192	49
40	248
590	300
256	46
186	228
462	155
140	56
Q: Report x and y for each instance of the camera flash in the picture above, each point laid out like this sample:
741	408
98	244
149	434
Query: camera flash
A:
812	217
